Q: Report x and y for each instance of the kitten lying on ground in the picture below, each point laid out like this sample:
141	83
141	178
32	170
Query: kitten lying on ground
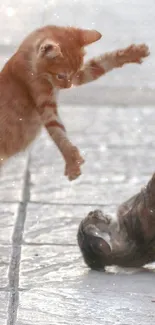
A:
127	241
49	59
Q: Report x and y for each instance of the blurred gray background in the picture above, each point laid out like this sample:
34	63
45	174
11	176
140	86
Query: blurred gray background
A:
121	22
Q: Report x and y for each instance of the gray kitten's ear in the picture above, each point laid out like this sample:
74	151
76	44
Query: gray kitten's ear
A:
49	49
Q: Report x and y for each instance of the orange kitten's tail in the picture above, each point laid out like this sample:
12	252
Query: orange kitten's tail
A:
97	67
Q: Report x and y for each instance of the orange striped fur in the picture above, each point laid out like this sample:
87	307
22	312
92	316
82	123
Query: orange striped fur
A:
49	59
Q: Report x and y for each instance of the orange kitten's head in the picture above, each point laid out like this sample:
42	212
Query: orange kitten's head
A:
59	52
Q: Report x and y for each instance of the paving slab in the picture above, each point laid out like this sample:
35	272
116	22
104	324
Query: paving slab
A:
3	307
5	255
125	163
101	183
55	224
11	184
8	214
51	307
43	265
61	287
40	265
86	193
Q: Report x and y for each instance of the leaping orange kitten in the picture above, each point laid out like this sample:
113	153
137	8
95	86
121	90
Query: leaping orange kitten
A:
49	59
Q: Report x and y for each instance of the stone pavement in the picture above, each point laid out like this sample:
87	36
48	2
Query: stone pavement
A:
43	279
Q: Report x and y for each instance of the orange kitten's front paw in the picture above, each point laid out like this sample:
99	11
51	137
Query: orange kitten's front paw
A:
133	54
73	164
72	172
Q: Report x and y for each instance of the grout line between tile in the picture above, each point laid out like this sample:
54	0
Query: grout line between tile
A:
49	244
13	274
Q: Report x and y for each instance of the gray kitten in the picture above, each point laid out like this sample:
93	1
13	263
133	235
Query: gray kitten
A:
127	241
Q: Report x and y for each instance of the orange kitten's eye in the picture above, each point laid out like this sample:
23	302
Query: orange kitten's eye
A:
61	76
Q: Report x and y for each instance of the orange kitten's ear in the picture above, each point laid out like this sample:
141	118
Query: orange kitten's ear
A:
49	49
88	36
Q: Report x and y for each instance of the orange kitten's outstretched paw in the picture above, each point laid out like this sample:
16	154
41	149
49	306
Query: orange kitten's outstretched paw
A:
138	52
73	164
133	54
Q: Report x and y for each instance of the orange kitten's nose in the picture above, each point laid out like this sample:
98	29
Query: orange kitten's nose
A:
67	83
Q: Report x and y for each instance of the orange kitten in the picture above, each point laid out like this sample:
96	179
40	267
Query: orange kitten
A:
49	59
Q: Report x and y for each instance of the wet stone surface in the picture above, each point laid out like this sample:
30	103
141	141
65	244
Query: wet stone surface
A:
4	297
41	268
